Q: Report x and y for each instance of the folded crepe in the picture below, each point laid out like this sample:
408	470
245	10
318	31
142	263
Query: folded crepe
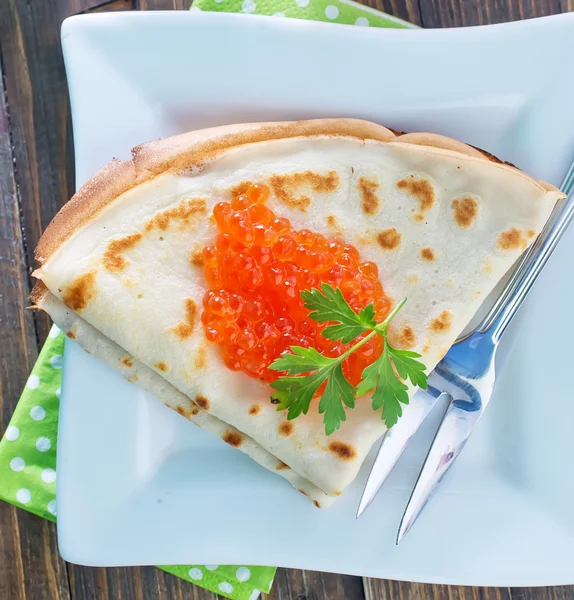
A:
441	220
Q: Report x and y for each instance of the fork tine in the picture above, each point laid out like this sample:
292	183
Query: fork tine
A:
395	441
453	432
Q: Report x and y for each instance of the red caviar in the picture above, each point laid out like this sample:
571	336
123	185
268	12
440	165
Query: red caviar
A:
256	270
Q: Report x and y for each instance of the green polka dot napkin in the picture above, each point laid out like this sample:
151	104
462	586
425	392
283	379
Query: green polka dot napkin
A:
28	448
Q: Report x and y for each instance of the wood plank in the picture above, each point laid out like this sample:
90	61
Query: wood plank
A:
28	553
458	13
18	346
133	583
291	584
408	10
380	589
113	6
543	593
40	126
163	4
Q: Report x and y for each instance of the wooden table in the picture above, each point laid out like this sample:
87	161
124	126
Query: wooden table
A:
36	178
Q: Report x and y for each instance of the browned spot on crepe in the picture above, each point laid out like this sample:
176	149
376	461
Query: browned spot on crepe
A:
443	322
233	438
389	239
303	492
369	198
161	366
202	402
421	189
419	218
286	428
185	328
80	292
200	360
187	412
316	504
342	451
512	239
254	409
184	212
531	233
71	335
285	187
114	259
282	466
427	254
407	337
465	211
333	223
240	188
127	361
196	258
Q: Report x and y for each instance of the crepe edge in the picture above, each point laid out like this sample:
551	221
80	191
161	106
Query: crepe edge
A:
197	148
185	406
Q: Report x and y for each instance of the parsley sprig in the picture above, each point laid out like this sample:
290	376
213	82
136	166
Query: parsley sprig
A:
306	369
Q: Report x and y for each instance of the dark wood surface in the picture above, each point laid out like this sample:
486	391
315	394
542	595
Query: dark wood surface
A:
36	178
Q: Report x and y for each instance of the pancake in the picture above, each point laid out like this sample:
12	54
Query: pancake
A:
442	221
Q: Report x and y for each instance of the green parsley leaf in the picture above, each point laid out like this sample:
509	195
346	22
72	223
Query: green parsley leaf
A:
407	367
307	370
390	392
329	304
300	361
337	392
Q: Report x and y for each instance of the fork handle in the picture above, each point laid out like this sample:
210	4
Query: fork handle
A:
537	257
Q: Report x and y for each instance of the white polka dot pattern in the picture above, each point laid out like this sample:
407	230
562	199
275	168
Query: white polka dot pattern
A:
43	444
331	12
226	587
48	475
195	573
23	496
55	331
37	413
57	361
33	382
243	574
12	433
17	464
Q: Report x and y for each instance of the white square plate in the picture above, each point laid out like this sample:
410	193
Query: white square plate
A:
137	484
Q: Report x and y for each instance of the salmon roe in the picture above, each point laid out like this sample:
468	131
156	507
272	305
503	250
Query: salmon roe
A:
257	268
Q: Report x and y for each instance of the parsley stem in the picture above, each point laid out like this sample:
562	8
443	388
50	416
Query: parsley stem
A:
380	328
358	345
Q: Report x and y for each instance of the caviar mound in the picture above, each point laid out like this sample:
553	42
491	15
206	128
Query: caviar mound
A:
255	271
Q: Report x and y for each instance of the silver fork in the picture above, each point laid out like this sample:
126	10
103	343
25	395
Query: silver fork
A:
466	374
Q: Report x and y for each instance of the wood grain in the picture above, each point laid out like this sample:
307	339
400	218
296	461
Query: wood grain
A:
376	589
36	178
30	566
291	584
457	13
